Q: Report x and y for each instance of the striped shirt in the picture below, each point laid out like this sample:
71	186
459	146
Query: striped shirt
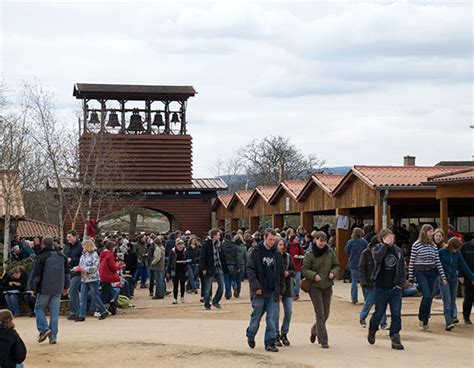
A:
424	255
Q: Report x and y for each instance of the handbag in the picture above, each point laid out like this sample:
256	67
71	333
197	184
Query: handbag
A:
306	285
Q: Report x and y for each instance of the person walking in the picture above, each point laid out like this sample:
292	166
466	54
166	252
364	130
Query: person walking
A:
229	249
297	253
467	251
157	266
73	252
193	252
354	248
320	265
366	268
212	264
177	267
425	266
108	269
389	276
142	257
267	285
12	347
289	272
452	260
51	277
89	269
242	255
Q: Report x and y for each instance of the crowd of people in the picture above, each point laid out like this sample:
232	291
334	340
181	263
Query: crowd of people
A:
96	274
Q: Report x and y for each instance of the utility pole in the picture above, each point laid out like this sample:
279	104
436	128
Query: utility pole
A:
472	141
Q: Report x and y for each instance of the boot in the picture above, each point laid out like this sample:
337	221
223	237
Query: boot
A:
371	337
277	341
396	344
284	339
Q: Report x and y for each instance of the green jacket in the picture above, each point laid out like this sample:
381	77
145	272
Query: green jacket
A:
321	266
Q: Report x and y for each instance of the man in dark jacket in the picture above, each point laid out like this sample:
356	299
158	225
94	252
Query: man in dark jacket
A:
267	284
389	276
229	248
366	268
50	278
212	264
73	252
467	251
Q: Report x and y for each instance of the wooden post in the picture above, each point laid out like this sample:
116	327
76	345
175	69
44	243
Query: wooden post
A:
221	223
378	217
342	236
277	221
307	221
234	224
443	214
254	222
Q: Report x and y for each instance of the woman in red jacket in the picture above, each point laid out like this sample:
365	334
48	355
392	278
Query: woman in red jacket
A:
108	269
297	255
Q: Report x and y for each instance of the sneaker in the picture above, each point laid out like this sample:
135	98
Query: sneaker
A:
44	335
312	338
182	299
251	343
96	314
284	339
450	327
396	343
72	318
362	323
207	307
371	337
325	345
236	295
157	297
384	327
278	342
271	348
52	341
217	305
104	315
201	300
467	321
355	302
80	319
175	301
455	320
424	326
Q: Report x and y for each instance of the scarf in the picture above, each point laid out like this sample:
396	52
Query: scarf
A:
318	252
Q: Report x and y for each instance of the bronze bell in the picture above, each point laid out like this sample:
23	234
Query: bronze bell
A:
136	122
113	120
94	118
175	118
158	120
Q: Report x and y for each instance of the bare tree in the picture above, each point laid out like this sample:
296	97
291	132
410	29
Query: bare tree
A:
232	171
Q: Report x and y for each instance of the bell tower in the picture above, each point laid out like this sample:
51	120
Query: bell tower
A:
138	132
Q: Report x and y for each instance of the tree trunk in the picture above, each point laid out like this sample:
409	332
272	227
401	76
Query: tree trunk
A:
133	221
6	237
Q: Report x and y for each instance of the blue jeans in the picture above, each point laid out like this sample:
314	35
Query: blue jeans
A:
219	276
426	281
287	311
355	281
239	276
12	299
159	284
296	282
53	302
369	296
229	281
384	297
448	293
193	277
74	301
142	274
261	305
96	300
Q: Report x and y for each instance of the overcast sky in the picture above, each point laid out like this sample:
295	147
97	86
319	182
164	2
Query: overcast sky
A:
353	82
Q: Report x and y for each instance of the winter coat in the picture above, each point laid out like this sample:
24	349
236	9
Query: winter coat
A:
158	262
74	251
12	348
23	280
366	268
324	265
89	264
108	267
379	252
289	266
295	249
354	249
242	255
206	259
51	273
230	253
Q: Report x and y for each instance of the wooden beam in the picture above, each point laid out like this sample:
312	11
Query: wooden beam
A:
443	214
254	222
378	217
277	221
342	236
307	221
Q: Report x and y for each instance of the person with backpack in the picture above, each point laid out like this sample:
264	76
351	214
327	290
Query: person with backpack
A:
366	268
12	347
354	248
321	266
266	280
286	299
51	277
89	269
389	276
296	252
425	266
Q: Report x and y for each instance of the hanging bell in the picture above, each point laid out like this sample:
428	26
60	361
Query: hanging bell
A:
94	118
113	121
136	122
158	120
175	118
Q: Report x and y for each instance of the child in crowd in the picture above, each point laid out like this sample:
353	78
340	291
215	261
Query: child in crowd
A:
12	347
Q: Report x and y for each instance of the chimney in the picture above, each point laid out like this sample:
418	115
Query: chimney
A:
409	160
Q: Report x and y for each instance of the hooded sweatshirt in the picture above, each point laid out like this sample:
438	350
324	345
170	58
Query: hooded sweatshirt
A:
12	348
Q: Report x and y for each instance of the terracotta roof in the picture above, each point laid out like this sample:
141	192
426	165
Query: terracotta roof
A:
455	163
244	195
329	182
10	193
465	175
225	198
28	228
266	191
294	186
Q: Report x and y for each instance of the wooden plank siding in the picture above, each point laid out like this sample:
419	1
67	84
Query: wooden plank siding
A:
356	194
455	191
317	200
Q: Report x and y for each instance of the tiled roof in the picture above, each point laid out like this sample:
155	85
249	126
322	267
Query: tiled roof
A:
465	175
455	163
244	195
209	184
31	228
329	182
10	193
225	198
266	191
294	186
379	176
